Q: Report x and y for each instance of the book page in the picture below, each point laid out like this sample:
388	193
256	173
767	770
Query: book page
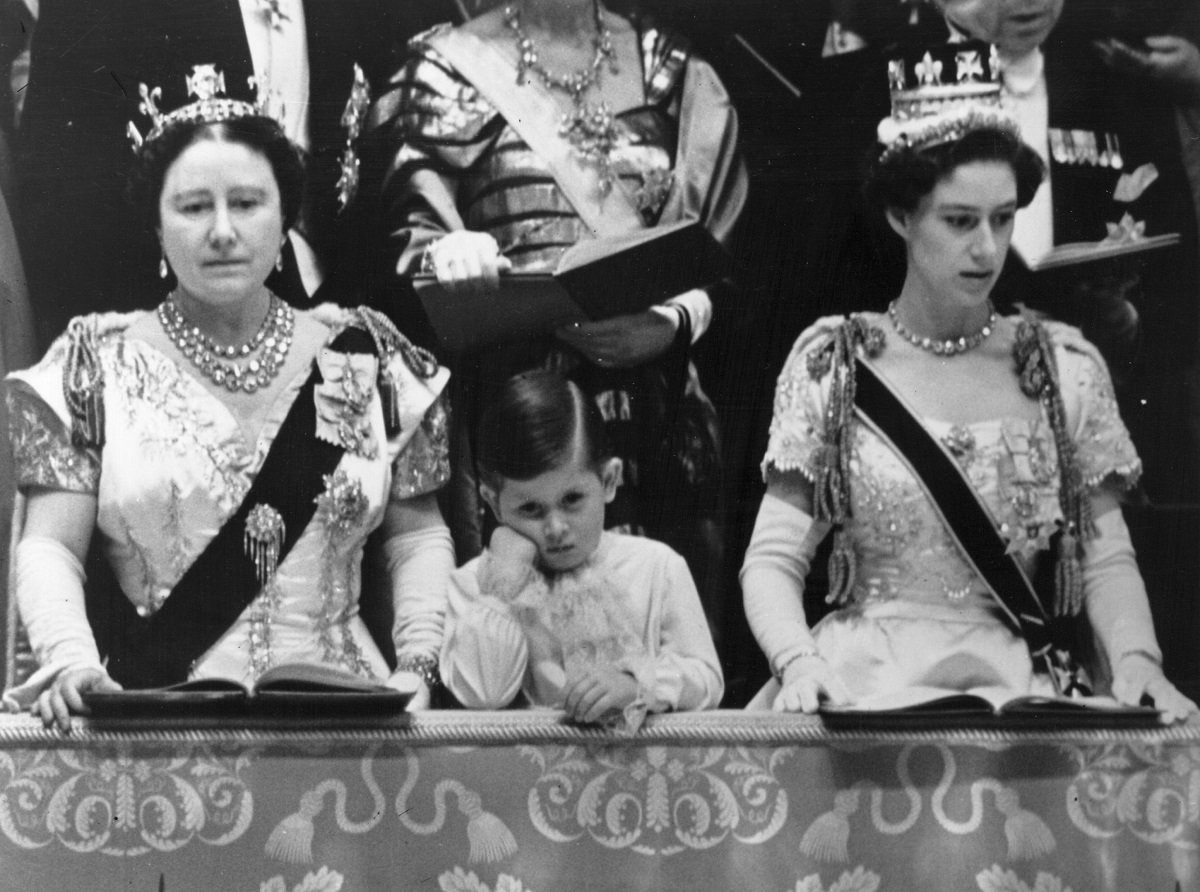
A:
919	697
316	677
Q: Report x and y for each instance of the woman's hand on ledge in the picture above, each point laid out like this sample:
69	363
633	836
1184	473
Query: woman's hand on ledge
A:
467	262
622	341
65	696
806	682
1136	676
420	700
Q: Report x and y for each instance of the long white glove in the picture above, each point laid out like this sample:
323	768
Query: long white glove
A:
49	592
419	564
777	561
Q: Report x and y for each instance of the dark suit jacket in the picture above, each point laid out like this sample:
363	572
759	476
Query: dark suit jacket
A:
86	249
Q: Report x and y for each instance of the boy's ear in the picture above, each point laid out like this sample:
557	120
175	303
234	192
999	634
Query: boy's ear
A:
898	220
611	475
493	500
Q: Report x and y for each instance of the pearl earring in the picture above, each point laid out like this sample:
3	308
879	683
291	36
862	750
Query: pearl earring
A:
163	269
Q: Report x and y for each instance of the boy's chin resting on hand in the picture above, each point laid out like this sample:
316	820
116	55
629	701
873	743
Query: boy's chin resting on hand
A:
512	558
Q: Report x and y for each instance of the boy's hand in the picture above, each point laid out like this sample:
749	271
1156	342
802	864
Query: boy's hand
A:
601	690
510	547
510	565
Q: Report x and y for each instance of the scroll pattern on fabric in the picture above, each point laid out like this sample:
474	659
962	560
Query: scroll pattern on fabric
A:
113	803
657	801
1140	789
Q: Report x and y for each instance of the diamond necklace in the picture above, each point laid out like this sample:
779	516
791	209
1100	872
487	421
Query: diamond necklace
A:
590	129
216	363
949	346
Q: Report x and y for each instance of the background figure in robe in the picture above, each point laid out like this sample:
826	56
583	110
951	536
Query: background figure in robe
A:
466	198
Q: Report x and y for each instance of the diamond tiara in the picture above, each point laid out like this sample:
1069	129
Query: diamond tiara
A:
939	95
211	105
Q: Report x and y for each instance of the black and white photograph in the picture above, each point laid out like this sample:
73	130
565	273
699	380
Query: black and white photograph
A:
600	444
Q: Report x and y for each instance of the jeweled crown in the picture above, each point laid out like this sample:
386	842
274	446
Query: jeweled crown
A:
940	93
211	104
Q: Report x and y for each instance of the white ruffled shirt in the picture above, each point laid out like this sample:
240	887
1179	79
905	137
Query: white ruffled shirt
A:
634	602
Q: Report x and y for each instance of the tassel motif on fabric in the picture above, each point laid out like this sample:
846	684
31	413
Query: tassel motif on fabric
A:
488	836
828	837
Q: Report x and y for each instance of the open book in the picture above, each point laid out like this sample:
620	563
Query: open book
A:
1076	253
290	688
993	706
594	279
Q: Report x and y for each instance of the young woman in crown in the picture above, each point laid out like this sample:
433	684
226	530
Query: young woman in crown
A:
226	455
968	466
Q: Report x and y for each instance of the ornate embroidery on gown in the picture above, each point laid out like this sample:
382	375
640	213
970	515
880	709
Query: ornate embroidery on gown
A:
175	465
907	565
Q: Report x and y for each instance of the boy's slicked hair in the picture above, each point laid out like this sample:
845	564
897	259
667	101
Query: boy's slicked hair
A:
531	426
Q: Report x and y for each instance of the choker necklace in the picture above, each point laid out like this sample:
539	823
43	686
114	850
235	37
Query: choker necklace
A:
950	346
274	338
590	129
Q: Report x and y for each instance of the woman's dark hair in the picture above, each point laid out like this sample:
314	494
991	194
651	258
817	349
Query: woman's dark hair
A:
531	426
261	134
906	176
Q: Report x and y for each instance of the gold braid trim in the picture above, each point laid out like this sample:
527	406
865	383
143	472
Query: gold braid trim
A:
831	461
1037	371
389	342
83	383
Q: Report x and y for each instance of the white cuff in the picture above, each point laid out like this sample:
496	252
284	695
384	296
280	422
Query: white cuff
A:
698	306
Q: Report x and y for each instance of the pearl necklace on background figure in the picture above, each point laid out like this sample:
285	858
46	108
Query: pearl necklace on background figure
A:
590	129
947	346
219	363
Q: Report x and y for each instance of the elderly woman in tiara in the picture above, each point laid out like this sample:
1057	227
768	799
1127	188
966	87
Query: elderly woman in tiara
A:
969	466
225	455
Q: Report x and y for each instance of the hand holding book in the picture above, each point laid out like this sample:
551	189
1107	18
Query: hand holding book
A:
471	302
466	262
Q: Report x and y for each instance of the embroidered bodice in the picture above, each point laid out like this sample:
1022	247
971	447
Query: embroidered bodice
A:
901	547
175	466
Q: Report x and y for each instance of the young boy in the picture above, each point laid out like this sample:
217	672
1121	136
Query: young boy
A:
602	625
